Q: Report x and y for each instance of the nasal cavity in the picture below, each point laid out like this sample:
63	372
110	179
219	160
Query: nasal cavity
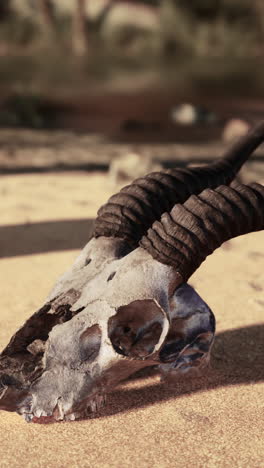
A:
90	343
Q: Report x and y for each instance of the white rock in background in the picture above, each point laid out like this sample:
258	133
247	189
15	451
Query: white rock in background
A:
130	166
184	114
235	128
189	114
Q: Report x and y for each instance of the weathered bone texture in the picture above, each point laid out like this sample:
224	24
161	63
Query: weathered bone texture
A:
132	211
93	259
192	231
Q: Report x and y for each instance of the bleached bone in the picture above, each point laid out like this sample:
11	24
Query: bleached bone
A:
125	304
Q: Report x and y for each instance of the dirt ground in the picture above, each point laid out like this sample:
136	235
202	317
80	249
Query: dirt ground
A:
215	421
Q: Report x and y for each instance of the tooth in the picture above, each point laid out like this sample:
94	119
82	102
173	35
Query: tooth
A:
99	401
38	413
60	415
27	417
93	406
70	417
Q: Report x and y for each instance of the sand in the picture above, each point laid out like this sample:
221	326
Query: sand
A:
214	421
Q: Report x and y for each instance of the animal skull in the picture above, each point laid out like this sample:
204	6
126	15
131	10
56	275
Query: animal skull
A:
114	331
123	307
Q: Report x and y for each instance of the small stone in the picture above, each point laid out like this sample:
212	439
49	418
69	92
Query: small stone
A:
234	129
129	167
189	114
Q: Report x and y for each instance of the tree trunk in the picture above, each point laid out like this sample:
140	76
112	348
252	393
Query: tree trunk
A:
47	18
259	9
79	32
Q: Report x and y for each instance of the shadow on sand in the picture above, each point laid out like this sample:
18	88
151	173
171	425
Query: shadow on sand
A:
49	236
237	358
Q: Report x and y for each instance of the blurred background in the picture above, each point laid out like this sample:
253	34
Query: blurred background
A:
113	89
94	93
131	69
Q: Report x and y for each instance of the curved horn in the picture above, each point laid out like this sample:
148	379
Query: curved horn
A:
129	213
192	231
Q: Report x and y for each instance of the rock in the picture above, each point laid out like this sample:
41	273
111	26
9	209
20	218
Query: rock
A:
234	129
188	114
131	166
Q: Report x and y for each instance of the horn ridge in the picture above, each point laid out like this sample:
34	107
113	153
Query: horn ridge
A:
203	223
139	204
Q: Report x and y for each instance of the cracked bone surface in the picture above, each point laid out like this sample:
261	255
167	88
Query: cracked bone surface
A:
123	307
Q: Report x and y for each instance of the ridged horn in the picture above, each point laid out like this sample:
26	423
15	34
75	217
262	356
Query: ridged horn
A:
192	231
129	213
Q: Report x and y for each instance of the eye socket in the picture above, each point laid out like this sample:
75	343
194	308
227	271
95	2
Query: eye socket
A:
87	261
136	328
90	343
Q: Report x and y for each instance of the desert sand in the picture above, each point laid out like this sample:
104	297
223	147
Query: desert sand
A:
214	421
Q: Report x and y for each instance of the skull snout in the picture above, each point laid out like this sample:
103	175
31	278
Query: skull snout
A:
69	375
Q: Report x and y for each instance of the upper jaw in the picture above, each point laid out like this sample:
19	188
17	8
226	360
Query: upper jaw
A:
89	405
43	407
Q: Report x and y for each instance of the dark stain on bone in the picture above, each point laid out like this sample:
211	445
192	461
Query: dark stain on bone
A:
181	334
22	357
170	351
175	341
195	356
111	276
8	380
64	301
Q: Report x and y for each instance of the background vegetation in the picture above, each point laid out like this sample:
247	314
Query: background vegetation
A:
71	46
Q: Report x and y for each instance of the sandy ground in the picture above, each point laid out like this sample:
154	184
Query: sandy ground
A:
215	421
